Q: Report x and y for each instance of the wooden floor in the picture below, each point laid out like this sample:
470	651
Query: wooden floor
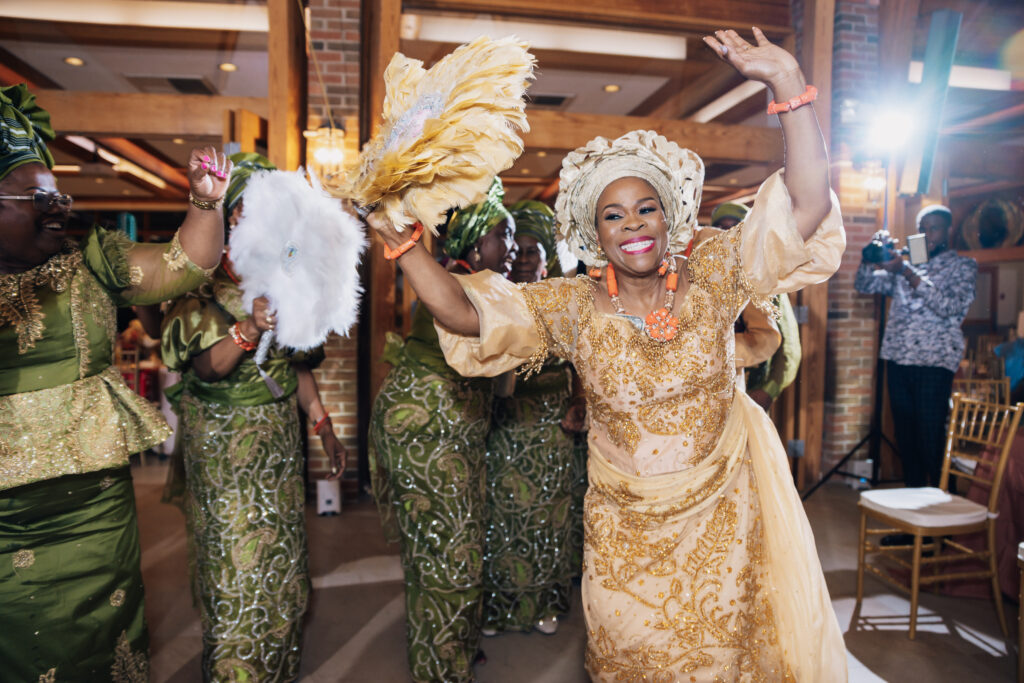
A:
355	629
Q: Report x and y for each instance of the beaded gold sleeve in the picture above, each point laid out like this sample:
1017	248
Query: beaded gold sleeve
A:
158	272
554	304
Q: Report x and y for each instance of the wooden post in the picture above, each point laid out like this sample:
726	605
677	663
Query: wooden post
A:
816	59
381	41
286	86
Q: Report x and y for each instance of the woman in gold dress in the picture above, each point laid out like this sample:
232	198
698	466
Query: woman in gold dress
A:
699	563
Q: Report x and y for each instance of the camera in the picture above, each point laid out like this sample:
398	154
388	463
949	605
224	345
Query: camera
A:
882	248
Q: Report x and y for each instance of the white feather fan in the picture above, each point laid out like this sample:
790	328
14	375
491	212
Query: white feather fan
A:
295	245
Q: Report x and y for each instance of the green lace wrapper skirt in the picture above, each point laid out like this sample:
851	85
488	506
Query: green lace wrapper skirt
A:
71	599
244	508
535	480
428	430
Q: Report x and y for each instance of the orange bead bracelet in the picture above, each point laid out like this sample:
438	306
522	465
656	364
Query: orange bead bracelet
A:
392	254
792	103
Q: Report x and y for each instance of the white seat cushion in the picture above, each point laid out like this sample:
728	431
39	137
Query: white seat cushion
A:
925	506
1020	551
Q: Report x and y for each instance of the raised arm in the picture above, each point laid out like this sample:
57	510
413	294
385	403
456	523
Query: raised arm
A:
436	288
158	272
807	172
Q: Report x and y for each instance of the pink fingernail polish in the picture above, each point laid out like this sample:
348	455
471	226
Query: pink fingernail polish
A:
206	158
206	166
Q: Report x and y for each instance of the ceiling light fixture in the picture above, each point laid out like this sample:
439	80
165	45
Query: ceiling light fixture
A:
178	141
74	61
228	67
542	154
612	87
525	171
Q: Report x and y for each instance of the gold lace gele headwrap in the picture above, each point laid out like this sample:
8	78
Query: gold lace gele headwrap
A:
675	173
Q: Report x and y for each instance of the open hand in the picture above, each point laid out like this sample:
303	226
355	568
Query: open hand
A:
575	419
208	174
759	61
337	454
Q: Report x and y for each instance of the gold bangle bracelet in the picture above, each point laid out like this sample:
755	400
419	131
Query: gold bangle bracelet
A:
204	205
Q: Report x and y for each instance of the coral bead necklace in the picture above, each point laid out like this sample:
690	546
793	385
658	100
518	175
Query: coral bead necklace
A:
660	324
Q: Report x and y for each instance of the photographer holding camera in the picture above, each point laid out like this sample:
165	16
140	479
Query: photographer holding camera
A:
923	343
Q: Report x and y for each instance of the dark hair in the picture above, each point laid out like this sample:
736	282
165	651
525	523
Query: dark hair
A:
938	209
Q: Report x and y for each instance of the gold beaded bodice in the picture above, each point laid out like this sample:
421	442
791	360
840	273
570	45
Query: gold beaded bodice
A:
654	407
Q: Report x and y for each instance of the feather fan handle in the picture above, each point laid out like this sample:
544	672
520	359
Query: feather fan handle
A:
260	357
446	133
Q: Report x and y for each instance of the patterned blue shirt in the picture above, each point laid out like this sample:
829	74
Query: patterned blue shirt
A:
924	323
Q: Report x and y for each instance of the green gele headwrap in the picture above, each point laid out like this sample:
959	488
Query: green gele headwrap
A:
468	225
537	220
729	210
24	130
246	163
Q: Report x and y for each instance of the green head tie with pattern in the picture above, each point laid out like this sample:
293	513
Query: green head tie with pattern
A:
468	225
246	163
24	130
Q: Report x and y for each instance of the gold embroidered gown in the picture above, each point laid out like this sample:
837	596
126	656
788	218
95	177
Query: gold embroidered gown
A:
699	563
71	598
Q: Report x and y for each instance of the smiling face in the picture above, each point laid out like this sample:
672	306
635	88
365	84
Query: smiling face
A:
631	226
936	233
29	237
497	249
529	265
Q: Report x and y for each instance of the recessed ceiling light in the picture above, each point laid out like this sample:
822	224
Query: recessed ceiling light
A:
99	181
732	181
126	191
74	61
227	66
525	171
542	154
178	141
612	87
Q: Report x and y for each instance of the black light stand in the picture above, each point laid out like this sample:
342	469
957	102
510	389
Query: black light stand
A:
874	436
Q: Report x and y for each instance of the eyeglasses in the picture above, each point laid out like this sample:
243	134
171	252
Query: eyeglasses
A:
44	201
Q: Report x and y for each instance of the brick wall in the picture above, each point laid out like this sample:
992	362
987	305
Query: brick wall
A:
334	26
851	350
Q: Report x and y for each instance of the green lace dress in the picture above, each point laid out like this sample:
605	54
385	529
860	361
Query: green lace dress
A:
536	478
71	597
428	431
244	496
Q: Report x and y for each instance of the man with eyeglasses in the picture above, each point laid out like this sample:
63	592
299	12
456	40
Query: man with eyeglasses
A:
71	596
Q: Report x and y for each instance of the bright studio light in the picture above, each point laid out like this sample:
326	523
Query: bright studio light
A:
890	131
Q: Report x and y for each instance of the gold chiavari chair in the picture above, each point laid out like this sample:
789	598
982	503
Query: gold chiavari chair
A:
976	429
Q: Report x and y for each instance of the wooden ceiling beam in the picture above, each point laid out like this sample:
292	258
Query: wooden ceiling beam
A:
970	158
985	119
129	204
591	62
714	142
172	175
142	115
68	33
696	16
718	78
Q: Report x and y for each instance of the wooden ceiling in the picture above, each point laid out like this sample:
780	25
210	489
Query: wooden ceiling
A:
738	142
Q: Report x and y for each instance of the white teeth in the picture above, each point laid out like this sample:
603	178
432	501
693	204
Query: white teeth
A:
633	247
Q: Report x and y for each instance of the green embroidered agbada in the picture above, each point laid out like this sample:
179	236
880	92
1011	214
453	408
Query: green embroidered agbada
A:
244	493
428	430
71	597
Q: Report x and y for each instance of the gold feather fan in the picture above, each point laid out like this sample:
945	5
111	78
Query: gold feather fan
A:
446	132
